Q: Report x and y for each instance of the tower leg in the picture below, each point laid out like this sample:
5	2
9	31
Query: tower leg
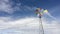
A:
41	30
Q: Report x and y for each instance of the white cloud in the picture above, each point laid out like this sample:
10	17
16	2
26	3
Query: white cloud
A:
28	25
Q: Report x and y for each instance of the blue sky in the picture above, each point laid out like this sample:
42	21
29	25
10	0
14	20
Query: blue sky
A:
18	16
23	11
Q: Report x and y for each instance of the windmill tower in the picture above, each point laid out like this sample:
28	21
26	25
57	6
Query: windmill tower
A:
39	14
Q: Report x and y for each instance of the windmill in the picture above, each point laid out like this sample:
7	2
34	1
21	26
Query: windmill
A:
39	13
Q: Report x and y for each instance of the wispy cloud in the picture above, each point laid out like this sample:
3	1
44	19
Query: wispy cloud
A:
55	10
51	16
6	6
